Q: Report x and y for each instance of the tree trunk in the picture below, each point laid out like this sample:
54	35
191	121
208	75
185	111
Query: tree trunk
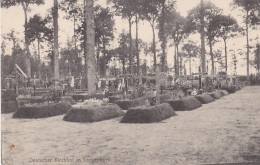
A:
123	63
56	43
39	56
175	61
212	57
38	46
75	44
74	31
225	42
190	65
98	59
14	43
202	37
163	39
157	85
27	59
258	58
180	57
90	46
130	47
104	55
84	43
136	42
247	46
154	49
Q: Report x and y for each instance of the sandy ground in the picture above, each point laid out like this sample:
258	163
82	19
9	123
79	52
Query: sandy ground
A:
225	131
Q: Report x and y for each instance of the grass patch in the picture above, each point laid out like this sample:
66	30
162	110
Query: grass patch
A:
151	114
8	107
185	104
127	104
216	95
42	111
92	114
205	98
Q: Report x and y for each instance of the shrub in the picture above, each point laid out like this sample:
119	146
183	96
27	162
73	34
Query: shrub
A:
224	92
216	94
126	104
55	94
112	99
231	89
10	106
92	114
151	114
239	86
68	99
8	95
188	103
205	98
165	97
42	111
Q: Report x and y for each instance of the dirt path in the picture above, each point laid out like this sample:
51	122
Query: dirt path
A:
225	131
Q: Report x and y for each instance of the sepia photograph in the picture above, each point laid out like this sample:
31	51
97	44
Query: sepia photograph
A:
130	82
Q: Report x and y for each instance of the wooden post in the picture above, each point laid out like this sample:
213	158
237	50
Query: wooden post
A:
157	85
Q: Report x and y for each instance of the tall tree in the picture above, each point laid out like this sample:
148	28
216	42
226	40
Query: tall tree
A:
126	9
227	28
249	7
138	16
218	59
74	12
191	50
25	5
56	43
234	60
207	11
123	54
90	46
11	37
104	28
202	36
150	12
37	30
69	65
165	6
178	28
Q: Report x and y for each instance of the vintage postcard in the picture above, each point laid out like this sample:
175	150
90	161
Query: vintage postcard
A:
123	82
